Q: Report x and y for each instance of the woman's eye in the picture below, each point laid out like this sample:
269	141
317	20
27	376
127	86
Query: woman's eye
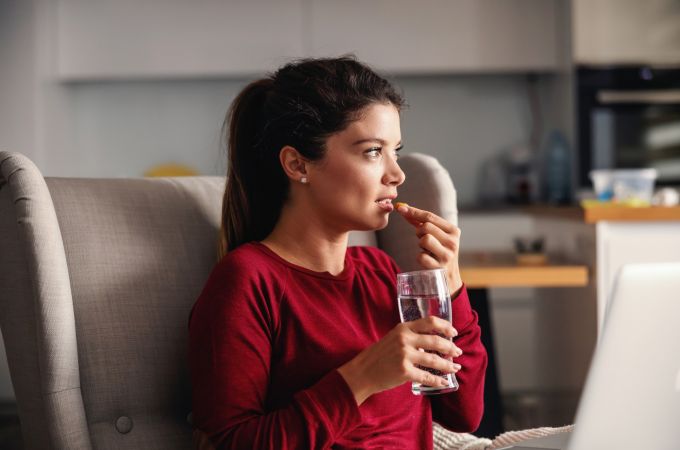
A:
374	152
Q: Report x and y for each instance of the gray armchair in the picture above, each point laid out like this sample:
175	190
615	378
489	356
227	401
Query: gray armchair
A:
97	277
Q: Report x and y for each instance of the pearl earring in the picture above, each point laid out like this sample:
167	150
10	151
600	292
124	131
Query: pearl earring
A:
303	180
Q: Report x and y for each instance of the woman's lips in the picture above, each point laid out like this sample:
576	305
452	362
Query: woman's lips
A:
385	204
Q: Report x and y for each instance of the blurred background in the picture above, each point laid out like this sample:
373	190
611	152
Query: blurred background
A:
498	91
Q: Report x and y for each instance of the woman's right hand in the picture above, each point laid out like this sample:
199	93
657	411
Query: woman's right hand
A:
393	360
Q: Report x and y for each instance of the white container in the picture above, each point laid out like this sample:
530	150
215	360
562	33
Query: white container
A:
630	186
603	184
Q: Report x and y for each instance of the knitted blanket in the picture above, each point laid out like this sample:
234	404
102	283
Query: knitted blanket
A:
448	440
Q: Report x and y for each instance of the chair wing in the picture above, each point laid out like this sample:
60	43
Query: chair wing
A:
36	311
97	277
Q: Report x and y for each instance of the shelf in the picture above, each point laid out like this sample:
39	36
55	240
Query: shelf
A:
486	270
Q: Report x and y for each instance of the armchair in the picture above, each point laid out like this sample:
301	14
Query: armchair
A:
97	278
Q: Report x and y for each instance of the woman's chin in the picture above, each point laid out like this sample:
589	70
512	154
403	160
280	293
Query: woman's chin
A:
368	227
375	222
383	224
378	224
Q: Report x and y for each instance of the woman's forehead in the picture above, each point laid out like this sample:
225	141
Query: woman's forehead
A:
378	121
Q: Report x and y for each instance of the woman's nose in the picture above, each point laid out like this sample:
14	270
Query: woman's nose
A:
394	176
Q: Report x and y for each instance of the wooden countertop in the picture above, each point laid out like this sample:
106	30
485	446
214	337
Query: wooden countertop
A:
598	212
595	214
606	211
485	270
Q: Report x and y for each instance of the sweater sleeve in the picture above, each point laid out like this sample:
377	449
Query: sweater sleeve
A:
462	410
231	335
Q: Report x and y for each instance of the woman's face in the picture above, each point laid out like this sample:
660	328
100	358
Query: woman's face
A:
353	186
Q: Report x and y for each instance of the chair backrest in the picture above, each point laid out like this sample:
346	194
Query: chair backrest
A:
97	277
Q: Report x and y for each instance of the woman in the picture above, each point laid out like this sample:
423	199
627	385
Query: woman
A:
295	341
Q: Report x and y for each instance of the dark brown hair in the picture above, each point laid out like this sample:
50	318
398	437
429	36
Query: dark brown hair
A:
300	105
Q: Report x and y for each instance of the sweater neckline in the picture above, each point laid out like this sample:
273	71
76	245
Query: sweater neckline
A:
345	274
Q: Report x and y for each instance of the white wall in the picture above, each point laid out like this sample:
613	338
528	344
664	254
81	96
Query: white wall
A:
123	128
463	120
16	89
17	62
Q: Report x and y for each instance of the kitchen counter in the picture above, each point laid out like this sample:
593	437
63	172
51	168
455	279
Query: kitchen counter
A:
628	214
591	214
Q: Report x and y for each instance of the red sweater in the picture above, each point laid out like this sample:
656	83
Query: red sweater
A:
266	338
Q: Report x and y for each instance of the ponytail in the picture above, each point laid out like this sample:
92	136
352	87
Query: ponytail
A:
252	197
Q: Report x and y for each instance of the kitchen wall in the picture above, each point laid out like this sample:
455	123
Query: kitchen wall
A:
123	128
17	66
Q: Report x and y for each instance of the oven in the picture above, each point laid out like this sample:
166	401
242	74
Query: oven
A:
629	117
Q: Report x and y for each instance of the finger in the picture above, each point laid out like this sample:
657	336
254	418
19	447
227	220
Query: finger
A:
428	261
436	362
448	240
427	379
436	343
435	248
417	216
432	324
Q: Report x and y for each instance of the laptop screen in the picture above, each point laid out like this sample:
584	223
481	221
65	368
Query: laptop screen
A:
631	399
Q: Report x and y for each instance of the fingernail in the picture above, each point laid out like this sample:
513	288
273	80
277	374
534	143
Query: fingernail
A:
456	366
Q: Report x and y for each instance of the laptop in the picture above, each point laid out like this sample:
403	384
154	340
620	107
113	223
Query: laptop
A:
631	399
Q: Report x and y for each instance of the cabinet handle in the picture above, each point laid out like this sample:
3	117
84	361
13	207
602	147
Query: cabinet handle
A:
666	96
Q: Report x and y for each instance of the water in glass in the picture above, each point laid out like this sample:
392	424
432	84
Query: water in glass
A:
421	294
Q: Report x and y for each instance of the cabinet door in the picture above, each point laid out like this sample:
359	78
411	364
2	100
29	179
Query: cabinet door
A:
431	36
174	38
621	243
626	31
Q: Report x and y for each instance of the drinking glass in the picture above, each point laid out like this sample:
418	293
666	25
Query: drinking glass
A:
421	294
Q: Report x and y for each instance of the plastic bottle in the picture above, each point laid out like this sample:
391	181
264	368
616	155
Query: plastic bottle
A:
557	169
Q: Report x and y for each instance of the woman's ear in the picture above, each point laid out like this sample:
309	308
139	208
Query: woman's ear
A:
294	164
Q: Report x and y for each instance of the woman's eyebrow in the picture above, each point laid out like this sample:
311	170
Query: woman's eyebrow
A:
378	140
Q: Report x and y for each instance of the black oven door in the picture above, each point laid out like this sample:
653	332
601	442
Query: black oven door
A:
629	118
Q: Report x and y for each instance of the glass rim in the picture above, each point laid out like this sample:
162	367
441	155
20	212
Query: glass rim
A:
415	272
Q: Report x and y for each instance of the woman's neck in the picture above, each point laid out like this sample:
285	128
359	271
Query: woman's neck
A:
304	242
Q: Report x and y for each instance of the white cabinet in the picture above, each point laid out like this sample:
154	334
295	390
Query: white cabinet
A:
620	243
435	36
626	31
173	38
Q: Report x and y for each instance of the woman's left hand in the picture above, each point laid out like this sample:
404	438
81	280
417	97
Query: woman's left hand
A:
439	240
